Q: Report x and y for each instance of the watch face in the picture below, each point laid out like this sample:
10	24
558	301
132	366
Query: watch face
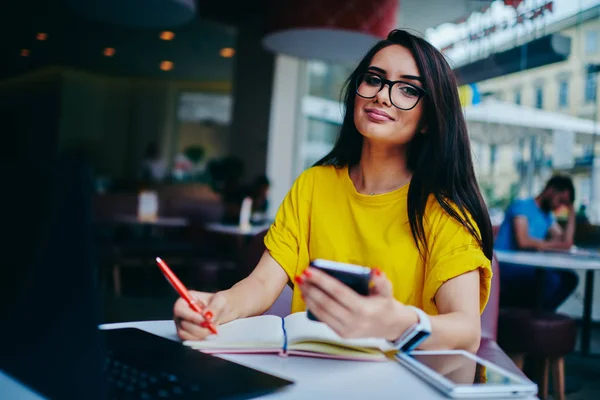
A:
415	340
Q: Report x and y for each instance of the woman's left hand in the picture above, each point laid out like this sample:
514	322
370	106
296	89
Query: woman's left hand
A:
350	314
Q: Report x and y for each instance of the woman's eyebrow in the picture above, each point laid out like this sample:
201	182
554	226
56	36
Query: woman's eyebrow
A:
383	72
377	69
413	77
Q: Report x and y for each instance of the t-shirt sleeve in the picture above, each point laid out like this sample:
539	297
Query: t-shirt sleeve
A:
521	208
453	251
284	238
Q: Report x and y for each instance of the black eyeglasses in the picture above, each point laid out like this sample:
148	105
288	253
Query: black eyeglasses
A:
403	95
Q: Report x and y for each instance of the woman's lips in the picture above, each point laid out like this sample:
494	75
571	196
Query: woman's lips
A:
378	115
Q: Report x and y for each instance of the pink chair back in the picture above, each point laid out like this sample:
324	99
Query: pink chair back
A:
489	318
283	304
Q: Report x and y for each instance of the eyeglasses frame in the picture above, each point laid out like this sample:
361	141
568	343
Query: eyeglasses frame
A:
384	81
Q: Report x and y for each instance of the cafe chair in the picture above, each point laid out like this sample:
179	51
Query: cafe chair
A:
488	348
545	336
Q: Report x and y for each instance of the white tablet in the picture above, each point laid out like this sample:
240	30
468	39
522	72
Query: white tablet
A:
459	374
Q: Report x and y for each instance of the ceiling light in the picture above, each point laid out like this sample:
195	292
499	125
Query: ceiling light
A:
24	52
109	51
41	36
167	35
227	52
166	65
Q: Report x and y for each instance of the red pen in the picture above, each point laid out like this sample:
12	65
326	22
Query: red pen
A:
183	292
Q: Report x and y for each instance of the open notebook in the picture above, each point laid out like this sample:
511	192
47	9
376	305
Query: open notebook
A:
292	335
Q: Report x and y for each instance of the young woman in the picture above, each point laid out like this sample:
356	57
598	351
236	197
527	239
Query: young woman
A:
398	194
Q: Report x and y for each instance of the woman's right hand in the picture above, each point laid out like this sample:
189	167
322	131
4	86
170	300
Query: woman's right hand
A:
191	325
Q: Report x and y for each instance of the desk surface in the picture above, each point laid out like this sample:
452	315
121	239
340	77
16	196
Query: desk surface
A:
314	378
320	378
549	260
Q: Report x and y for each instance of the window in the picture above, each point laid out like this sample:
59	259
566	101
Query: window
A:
518	97
326	80
322	132
539	97
563	93
591	42
320	138
590	88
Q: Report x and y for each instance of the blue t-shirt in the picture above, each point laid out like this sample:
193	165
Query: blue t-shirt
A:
538	221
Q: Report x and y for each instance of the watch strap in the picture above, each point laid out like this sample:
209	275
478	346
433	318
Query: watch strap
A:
416	334
423	318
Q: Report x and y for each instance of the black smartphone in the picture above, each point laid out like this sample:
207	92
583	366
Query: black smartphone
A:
354	276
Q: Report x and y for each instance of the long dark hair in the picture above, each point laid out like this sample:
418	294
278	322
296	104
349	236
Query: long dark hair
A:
440	160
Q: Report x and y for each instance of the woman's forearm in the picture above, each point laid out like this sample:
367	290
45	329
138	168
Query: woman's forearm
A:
456	330
248	298
255	294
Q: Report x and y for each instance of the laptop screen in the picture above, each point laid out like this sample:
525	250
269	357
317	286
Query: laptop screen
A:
51	342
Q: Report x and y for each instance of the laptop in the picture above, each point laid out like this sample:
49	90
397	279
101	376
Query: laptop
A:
49	307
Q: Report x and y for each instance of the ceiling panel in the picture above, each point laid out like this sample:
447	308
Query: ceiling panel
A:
76	41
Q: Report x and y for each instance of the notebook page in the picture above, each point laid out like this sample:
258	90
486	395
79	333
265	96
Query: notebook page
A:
264	331
301	329
336	351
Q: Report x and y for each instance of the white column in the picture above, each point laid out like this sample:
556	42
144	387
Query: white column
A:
285	112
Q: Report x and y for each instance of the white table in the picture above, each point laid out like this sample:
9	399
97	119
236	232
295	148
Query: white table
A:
319	378
562	260
236	230
167	222
313	378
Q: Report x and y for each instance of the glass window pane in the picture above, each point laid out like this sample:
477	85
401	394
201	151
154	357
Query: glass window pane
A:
590	88
321	131
539	97
591	42
327	80
563	93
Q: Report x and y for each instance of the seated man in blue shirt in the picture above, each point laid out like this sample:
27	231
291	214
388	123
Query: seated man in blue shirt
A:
529	225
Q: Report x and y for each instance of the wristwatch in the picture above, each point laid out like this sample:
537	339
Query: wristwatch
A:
416	334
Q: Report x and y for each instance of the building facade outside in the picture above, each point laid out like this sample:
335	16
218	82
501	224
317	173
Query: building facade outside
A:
565	88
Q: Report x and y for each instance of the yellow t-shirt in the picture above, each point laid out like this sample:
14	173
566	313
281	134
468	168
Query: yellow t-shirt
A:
323	216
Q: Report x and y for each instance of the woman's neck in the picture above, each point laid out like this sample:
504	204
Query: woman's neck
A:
381	169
